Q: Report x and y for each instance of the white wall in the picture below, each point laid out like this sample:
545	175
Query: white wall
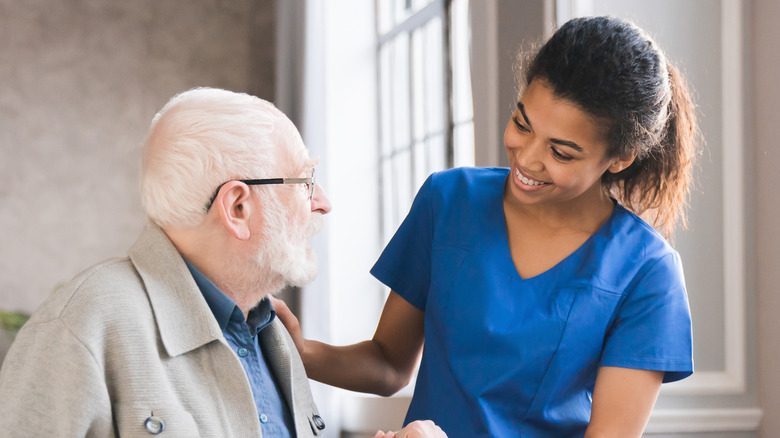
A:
709	40
763	182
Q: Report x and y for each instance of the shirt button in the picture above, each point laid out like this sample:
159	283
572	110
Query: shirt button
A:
263	418
154	425
242	352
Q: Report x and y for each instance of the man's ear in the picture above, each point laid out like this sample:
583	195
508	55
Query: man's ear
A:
234	209
621	163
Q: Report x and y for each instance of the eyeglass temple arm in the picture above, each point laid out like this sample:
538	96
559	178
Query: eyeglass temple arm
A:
276	181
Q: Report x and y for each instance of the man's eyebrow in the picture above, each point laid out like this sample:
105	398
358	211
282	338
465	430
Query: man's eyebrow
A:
308	165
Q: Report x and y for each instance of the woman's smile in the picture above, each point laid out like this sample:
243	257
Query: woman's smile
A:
528	183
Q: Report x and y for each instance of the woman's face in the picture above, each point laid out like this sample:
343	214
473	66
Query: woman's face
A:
557	152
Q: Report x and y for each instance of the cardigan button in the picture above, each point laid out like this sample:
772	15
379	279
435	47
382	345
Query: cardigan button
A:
318	422
154	425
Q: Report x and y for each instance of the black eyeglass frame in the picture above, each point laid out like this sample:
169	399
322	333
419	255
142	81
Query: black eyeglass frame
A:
310	181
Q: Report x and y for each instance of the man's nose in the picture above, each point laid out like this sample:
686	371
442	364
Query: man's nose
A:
319	201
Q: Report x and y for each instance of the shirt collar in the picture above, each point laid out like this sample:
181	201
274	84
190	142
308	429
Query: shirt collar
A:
225	309
261	316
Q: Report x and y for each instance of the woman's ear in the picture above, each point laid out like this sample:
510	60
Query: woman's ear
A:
619	164
234	209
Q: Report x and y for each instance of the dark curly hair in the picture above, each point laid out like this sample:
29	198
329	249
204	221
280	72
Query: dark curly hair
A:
613	70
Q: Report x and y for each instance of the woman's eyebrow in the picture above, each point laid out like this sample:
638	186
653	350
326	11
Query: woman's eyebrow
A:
521	107
558	141
567	143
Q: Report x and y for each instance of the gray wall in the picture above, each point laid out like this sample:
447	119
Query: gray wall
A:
80	80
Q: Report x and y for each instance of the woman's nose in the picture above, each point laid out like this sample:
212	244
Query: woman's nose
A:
530	156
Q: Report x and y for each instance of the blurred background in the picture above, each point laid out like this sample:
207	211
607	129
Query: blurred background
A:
385	92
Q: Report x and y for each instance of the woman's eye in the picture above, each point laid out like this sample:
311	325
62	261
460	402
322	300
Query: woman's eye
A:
558	155
519	125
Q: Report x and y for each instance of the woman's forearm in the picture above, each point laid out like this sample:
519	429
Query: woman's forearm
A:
361	367
382	365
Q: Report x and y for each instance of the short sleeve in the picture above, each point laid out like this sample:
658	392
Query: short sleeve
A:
652	330
405	263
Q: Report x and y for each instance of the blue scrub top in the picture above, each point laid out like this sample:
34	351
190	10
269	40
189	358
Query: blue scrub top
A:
506	356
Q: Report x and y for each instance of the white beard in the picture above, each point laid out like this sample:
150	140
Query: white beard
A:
293	260
285	253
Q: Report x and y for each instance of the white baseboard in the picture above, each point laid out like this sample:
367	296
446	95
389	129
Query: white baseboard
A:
704	420
367	414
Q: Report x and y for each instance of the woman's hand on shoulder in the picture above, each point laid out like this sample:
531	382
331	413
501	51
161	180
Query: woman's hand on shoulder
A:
290	322
416	429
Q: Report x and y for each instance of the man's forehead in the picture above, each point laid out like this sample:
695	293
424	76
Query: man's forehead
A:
293	153
297	160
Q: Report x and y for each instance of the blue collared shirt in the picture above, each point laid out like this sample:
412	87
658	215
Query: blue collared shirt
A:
242	336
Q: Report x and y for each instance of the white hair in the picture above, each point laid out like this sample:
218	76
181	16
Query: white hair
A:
205	137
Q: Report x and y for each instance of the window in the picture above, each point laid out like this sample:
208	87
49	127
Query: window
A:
425	108
385	100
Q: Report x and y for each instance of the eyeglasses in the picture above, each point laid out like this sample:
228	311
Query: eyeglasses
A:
309	182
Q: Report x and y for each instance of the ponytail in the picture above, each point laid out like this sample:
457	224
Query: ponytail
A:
656	186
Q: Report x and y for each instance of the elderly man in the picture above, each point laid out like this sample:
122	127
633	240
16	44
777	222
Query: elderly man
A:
180	337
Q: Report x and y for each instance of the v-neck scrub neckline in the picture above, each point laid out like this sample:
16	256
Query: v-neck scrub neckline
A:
502	225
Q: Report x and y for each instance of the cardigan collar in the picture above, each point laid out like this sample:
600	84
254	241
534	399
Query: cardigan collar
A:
184	318
186	322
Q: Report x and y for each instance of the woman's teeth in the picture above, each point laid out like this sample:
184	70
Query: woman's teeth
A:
527	181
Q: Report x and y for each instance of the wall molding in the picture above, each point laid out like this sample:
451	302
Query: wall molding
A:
732	379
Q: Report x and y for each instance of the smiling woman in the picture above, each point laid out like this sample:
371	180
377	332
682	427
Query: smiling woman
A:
541	303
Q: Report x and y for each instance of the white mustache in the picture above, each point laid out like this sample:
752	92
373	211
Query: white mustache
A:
314	226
